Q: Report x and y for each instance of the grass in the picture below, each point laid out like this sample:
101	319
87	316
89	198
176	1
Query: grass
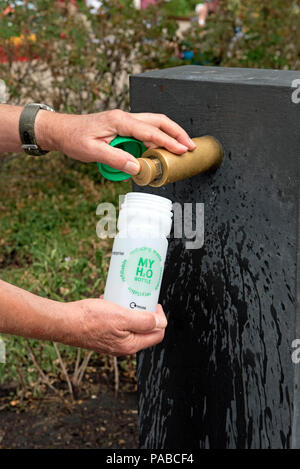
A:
48	241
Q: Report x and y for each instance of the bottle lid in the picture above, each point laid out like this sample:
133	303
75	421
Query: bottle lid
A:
135	147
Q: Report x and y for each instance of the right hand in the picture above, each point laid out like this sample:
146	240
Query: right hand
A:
105	327
86	137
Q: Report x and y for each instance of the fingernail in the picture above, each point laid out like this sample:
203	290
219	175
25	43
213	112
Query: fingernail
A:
132	167
161	322
193	144
183	147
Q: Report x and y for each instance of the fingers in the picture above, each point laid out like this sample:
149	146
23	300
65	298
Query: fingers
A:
155	130
142	329
141	335
151	135
106	327
141	342
137	342
168	126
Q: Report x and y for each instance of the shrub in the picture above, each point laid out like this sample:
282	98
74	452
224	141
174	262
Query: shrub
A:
250	33
78	61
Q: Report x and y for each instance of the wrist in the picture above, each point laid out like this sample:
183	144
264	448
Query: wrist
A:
47	130
48	321
70	323
61	322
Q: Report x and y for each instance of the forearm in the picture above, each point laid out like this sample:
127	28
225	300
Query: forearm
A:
9	128
28	315
47	127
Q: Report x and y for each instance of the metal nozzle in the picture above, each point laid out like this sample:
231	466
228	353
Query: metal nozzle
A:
151	169
160	167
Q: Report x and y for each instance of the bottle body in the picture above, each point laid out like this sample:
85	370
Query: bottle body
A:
139	252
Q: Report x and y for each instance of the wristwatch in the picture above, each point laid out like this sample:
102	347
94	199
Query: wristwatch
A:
26	128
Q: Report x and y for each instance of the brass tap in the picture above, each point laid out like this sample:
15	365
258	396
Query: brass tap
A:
160	167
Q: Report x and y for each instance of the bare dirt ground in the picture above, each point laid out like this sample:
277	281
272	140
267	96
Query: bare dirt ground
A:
105	421
98	419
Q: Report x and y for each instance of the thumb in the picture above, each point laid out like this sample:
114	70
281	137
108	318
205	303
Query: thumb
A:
145	321
115	157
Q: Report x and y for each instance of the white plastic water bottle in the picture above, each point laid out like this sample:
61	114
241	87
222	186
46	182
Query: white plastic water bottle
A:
139	251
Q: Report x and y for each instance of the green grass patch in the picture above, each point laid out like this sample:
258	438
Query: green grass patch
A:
48	241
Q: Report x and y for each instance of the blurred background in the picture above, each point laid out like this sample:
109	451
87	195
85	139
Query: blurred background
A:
77	56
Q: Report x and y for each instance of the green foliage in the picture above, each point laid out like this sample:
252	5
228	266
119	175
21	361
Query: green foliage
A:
78	61
180	7
48	239
19	368
269	35
49	246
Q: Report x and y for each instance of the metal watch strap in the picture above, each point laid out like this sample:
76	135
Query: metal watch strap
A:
26	128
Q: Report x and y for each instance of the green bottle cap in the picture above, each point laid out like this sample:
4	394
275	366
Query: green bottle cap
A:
132	146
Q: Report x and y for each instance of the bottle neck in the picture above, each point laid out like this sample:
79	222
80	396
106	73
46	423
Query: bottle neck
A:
143	214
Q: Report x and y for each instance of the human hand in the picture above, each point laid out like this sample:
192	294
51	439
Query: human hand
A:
87	137
94	324
105	327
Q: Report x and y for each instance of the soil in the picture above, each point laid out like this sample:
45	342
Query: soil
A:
102	421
